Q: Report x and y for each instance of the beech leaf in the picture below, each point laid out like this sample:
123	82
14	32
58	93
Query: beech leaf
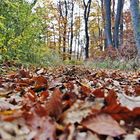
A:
103	124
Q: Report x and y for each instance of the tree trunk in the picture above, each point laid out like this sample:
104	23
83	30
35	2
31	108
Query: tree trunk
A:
64	40
121	30
135	13
103	18
86	18
71	28
107	4
117	23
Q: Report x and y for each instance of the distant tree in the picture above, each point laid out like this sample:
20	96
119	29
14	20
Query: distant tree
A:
96	26
63	13
71	26
87	6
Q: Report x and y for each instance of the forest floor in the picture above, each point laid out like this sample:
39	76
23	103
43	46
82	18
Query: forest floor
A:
69	103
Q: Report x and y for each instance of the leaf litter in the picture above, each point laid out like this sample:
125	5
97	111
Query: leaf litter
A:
69	103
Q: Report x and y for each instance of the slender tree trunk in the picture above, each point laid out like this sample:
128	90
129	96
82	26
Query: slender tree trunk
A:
59	38
107	4
87	41
78	45
65	29
113	16
59	26
103	17
86	18
121	30
117	23
71	28
54	37
64	41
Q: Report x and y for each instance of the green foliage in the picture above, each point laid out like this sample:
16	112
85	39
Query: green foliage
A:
20	30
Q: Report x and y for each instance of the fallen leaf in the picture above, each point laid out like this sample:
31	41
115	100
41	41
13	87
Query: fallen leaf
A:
85	90
137	90
103	124
111	99
24	74
130	102
54	105
41	128
40	80
4	105
78	111
118	112
4	91
44	95
98	93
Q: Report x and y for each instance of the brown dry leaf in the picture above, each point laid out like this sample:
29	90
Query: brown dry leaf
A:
30	95
42	128
99	93
4	91
111	99
24	73
40	80
137	90
103	124
85	89
136	111
119	112
78	111
44	95
47	130
54	105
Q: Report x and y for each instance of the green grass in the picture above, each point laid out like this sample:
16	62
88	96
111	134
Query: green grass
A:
50	58
113	64
73	62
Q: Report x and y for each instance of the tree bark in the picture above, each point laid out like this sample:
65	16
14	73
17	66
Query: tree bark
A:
121	30
86	18
135	13
117	23
103	18
71	28
59	26
107	4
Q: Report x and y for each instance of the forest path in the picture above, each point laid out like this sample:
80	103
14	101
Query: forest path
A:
69	102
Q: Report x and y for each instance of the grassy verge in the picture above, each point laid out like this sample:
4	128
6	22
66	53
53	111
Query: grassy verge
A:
113	64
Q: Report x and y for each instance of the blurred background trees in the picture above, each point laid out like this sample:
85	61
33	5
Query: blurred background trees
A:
40	30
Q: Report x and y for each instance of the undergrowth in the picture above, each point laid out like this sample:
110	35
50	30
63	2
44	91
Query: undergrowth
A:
113	64
52	59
